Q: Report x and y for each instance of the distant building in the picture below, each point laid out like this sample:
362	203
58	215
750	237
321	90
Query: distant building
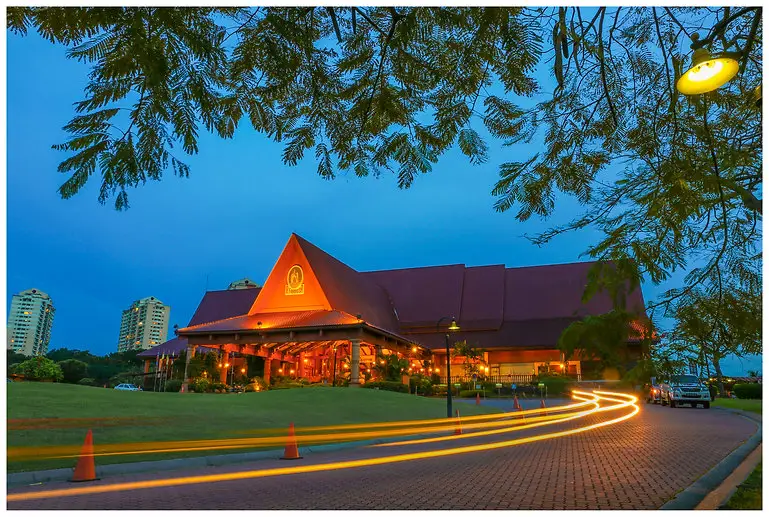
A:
243	283
30	322
143	325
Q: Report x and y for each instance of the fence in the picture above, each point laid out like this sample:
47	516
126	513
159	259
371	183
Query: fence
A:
501	379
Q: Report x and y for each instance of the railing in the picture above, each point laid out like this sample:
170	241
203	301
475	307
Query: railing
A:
501	379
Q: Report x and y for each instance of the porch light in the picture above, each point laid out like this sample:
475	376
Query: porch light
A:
306	361
280	370
437	370
291	372
226	365
708	73
220	365
242	370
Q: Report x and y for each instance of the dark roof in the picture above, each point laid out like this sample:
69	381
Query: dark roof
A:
218	305
215	305
170	347
348	290
496	307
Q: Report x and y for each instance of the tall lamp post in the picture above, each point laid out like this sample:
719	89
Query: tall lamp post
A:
452	328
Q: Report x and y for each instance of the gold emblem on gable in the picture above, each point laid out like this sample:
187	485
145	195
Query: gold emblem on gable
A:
295	280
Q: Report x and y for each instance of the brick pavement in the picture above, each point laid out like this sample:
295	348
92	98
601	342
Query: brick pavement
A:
637	464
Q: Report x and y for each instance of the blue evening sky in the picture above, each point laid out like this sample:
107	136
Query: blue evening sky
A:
233	216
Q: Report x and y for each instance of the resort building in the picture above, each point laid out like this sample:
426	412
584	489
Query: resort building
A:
30	322
315	316
143	325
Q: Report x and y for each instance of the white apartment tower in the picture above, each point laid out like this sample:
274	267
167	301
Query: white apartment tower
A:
30	322
143	325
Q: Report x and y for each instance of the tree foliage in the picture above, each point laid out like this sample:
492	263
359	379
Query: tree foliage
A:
73	370
672	182
40	368
712	326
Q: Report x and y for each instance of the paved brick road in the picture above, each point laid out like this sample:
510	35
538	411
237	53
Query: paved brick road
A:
637	464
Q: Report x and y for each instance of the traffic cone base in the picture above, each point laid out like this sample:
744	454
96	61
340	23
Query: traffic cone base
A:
477	399
458	429
292	451
85	470
543	407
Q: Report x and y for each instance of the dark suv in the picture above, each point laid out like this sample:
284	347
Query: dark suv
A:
685	389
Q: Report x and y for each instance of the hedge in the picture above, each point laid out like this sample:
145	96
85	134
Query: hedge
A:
86	381
556	385
387	386
173	385
748	391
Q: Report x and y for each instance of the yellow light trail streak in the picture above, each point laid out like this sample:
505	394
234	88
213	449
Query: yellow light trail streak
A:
409	428
534	422
233	476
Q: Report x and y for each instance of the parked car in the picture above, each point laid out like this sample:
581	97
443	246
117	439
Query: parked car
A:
127	387
654	393
685	389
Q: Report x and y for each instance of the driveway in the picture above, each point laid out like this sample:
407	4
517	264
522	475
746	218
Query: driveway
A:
636	464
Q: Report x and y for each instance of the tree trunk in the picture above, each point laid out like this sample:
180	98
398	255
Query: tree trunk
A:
719	376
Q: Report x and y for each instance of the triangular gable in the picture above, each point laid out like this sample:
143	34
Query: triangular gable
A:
292	284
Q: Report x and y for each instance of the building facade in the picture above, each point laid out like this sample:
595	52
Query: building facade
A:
30	322
244	283
143	325
315	316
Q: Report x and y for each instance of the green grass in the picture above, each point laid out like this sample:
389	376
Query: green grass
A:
192	416
748	494
751	405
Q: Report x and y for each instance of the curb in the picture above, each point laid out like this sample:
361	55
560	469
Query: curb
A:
53	475
693	495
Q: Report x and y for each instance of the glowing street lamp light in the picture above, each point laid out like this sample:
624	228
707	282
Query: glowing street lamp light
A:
452	328
708	73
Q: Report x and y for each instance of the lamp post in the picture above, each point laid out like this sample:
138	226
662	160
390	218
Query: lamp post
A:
452	328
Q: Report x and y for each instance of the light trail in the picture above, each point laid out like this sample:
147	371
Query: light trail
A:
17	454
623	401
534	422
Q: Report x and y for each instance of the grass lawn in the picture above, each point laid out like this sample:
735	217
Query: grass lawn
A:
751	405
178	416
748	494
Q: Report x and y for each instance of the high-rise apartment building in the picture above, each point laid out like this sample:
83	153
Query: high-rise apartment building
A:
143	325
30	322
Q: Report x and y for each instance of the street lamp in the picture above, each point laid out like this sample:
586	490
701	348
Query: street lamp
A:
452	328
707	73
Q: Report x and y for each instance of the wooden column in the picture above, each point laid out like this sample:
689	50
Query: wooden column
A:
147	365
267	368
224	369
355	363
190	352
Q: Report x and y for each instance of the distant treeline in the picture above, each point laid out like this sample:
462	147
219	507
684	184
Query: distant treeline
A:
78	366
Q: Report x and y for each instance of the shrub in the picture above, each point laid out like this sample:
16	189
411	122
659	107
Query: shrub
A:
218	386
556	385
260	381
387	386
253	387
40	368
173	385
200	385
748	391
421	384
86	381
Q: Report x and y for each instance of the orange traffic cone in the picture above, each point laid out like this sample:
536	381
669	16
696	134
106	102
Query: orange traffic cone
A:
543	407
85	470
477	399
291	452
516	404
458	429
